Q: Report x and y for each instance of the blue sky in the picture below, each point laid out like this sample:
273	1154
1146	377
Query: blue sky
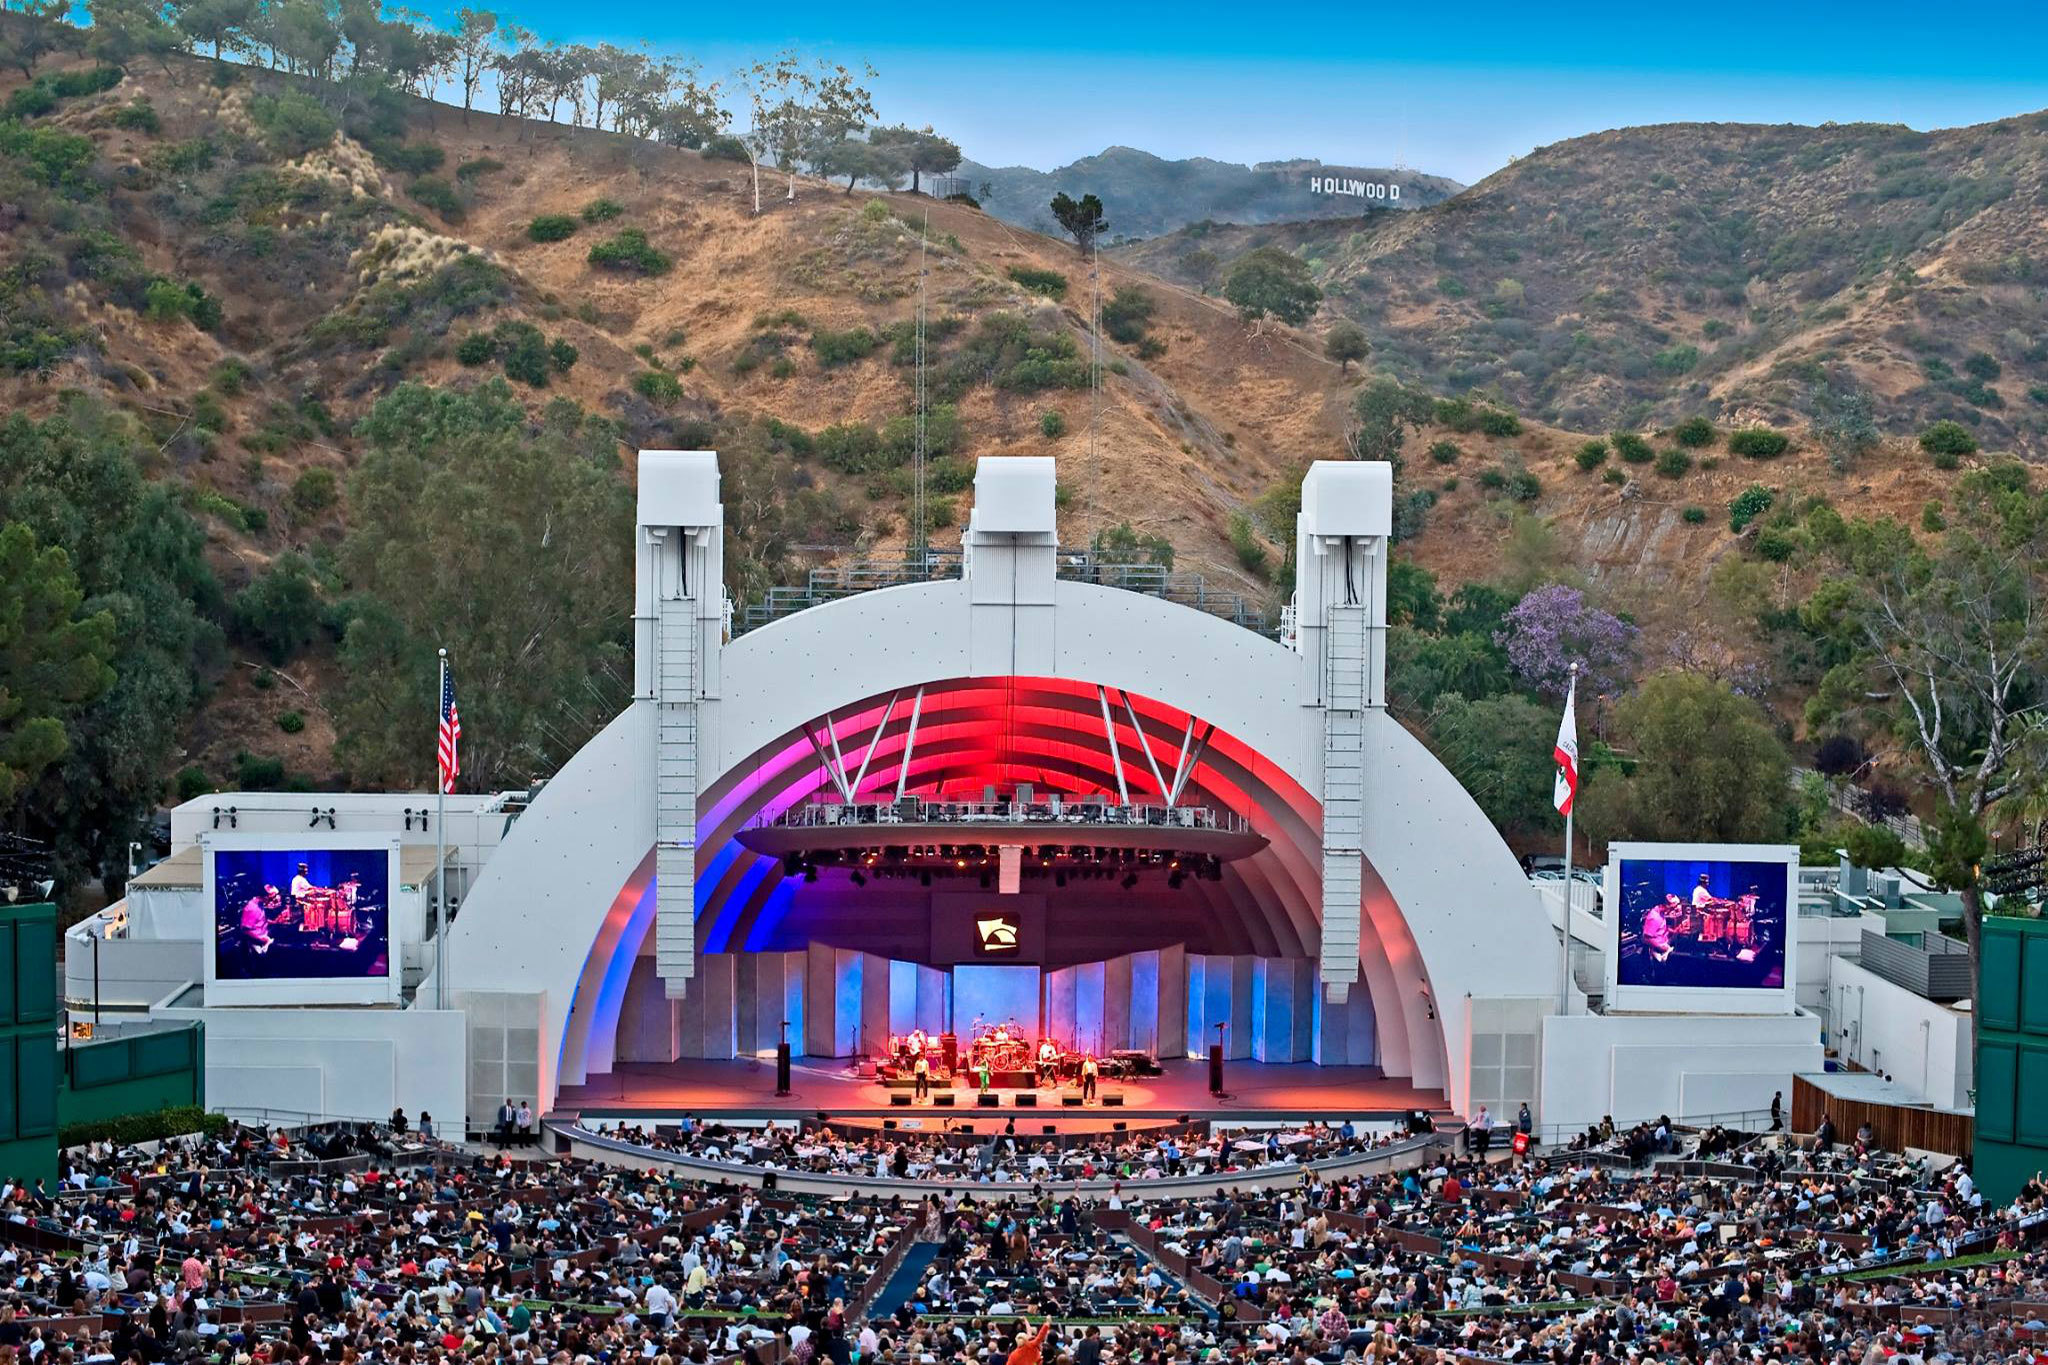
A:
1457	89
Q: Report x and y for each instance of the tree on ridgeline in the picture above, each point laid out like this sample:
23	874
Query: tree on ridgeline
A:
1268	282
1082	219
1346	343
1554	627
474	33
37	30
1945	645
922	151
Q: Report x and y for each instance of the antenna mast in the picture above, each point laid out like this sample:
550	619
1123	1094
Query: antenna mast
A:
919	548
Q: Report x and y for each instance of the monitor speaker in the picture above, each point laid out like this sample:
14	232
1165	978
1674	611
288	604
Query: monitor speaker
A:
889	1125
1027	1099
1119	1126
1070	1101
1215	1068
987	1099
944	1098
898	1100
1113	1100
1051	1128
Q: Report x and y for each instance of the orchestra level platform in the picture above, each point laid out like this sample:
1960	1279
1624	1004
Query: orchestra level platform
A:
1255	1091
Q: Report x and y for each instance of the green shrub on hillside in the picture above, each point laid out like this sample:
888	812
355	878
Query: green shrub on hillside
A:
478	166
658	387
1050	283
1494	422
1128	315
602	210
1948	438
438	195
1751	503
139	116
1052	424
1758	443
1632	447
1694	516
551	227
293	124
1694	433
629	250
1674	463
844	348
1443	452
726	148
1591	455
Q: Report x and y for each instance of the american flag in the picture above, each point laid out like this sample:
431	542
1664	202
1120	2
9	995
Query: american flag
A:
451	731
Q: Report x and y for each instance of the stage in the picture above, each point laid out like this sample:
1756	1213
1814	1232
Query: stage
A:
1255	1091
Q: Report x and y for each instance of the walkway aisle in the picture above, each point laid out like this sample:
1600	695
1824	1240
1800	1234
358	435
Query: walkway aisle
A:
910	1273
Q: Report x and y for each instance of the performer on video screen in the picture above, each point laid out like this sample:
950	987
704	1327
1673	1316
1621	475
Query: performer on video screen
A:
1657	934
1701	896
255	924
302	885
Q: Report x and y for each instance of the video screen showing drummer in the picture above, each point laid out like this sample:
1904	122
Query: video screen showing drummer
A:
288	914
1700	924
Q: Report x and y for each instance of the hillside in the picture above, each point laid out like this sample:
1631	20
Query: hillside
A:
1634	277
1153	195
256	311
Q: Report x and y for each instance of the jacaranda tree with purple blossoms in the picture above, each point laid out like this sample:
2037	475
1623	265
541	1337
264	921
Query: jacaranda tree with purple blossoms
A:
1554	627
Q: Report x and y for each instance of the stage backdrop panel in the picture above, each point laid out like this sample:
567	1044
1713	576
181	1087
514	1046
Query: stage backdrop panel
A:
994	995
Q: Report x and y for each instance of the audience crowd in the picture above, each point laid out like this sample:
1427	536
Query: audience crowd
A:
344	1245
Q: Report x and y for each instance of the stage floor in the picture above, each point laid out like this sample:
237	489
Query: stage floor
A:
746	1089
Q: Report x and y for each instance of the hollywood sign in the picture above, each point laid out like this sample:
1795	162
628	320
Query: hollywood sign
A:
1356	189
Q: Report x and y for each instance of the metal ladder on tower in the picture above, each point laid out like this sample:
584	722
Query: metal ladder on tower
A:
675	792
1343	794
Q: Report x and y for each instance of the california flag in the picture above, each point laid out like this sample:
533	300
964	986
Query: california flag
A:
1567	752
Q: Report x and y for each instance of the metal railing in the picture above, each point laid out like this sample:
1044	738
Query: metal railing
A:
913	810
834	583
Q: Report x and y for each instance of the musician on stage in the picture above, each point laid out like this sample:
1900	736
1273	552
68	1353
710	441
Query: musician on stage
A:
1088	1078
1048	1061
302	886
1701	896
917	1042
921	1068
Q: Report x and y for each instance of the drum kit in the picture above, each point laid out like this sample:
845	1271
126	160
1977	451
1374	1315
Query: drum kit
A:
327	909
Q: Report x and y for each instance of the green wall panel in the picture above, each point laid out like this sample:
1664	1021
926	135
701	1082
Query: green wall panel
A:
1997	1079
6	974
10	1102
2034	984
35	971
1998	977
35	1061
2030	1095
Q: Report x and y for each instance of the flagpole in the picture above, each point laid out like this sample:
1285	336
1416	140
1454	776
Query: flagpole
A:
1564	967
441	849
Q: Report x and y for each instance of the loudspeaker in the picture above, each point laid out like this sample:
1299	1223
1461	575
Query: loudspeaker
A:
782	1068
1118	1126
1113	1099
1051	1128
1070	1101
889	1125
987	1099
944	1098
898	1100
1215	1068
1027	1099
949	1051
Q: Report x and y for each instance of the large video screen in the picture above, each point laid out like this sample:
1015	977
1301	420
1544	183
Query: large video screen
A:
1701	924
301	914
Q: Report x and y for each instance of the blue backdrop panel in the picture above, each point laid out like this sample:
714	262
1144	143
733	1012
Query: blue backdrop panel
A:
995	995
